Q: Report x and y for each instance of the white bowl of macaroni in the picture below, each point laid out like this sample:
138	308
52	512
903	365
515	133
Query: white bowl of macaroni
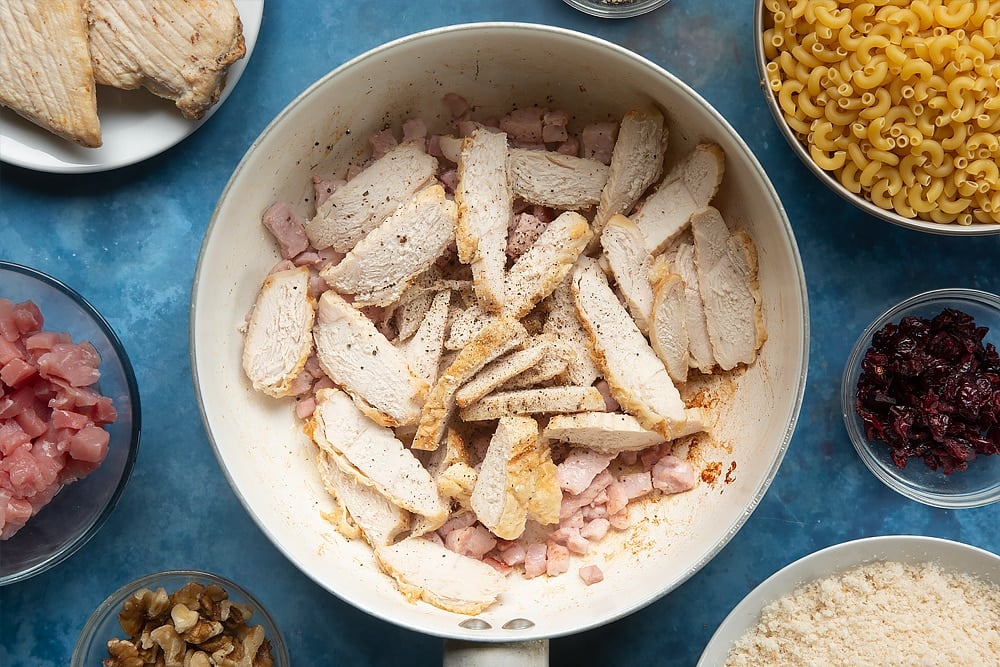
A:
896	109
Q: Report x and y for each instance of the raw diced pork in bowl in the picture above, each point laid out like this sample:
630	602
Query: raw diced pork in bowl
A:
69	421
521	356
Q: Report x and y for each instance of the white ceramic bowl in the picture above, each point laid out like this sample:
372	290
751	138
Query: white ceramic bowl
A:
616	9
975	486
950	556
260	445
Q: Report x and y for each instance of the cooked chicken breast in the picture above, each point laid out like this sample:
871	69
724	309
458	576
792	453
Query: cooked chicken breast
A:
45	70
548	261
364	202
727	279
485	211
493	341
636	163
565	182
613	432
373	515
467	324
690	185
451	454
699	345
668	325
630	263
384	263
356	356
278	340
635	375
502	369
542	400
423	349
372	455
178	49
563	321
559	355
427	571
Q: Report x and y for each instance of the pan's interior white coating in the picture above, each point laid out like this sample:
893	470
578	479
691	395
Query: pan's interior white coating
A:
258	441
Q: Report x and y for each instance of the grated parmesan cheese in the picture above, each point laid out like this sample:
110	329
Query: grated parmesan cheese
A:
884	613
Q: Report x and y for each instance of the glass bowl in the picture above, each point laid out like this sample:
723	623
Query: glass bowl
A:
976	486
79	510
616	9
103	625
762	21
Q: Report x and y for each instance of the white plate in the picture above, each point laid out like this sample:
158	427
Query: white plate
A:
912	549
135	124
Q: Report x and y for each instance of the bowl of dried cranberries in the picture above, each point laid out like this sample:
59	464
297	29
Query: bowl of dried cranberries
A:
921	398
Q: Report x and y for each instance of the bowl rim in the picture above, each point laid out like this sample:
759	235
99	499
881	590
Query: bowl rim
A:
616	10
114	601
67	549
917	224
891	477
876	548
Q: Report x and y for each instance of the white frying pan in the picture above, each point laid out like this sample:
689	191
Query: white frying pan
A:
259	443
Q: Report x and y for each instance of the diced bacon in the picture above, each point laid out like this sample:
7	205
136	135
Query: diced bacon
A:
31	422
513	554
9	351
27	318
68	419
580	468
457	522
89	444
382	142
305	407
673	475
621	520
414	129
473	541
77	364
569	147
571	503
554	126
556	559
103	411
45	340
524	230
499	566
16	513
524	125
457	105
535	557
597	141
609	401
628	458
591	512
16	371
577	543
636	485
12	436
323	188
449	179
591	574
286	228
617	497
595	530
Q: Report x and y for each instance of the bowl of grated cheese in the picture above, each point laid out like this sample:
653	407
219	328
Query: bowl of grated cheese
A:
888	600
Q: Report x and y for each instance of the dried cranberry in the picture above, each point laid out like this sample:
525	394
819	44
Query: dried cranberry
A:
930	389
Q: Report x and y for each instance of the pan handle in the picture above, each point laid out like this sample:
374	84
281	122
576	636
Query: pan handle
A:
533	653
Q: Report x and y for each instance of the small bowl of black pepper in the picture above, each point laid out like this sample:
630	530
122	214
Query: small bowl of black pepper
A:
921	398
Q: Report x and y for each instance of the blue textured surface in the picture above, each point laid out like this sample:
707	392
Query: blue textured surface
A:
128	241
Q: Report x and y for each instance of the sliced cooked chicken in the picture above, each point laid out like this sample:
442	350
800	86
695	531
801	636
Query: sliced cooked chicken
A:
45	70
635	375
636	163
423	349
372	455
699	345
613	432
356	356
379	520
668	325
279	339
502	369
565	182
563	321
178	49
466	325
548	261
485	211
360	205
384	263
630	262
448	580
687	187
493	341
451	453
727	279
542	400
559	354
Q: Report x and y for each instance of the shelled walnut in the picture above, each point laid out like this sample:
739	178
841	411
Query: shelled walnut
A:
196	626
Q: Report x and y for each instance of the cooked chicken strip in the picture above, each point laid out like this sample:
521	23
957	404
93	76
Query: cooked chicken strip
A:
699	345
630	262
636	163
448	580
543	400
496	339
451	453
466	325
384	263
565	182
563	321
372	455
502	369
688	186
612	432
356	356
548	261
45	70
178	49
559	356
423	349
374	516
278	339
364	202
485	211
668	326
635	375
727	279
